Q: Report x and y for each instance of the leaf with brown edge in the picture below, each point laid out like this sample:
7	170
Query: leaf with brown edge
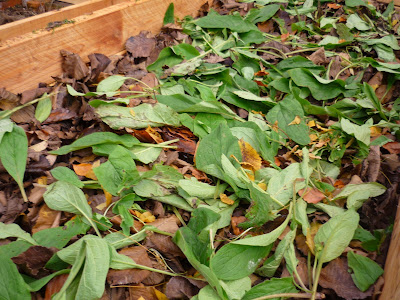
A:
250	155
311	195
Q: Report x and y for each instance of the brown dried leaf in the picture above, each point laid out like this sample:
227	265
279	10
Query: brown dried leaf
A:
54	286
392	147
180	288
336	276
73	66
140	45
168	224
46	218
33	260
129	276
144	293
318	57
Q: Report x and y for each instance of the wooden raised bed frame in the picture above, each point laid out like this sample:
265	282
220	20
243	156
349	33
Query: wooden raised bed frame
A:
29	54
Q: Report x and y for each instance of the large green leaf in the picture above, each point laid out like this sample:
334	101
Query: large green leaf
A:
13	230
237	261
320	89
285	114
89	256
209	151
118	172
271	287
13	154
12	285
365	270
335	235
234	23
67	197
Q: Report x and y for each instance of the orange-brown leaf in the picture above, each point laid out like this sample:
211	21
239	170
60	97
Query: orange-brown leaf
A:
250	155
334	5
86	169
285	36
392	147
311	195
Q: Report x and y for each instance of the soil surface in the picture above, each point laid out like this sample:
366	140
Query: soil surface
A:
32	8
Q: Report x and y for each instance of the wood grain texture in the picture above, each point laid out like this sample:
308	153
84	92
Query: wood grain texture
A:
33	58
14	29
396	2
391	289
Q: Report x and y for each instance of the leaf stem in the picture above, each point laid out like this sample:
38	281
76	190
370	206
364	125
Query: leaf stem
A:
21	188
291	295
315	285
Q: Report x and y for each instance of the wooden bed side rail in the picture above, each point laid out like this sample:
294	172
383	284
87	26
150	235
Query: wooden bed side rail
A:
32	58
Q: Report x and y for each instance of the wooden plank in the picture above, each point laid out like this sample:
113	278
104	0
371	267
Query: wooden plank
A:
14	29
26	61
75	1
396	2
391	288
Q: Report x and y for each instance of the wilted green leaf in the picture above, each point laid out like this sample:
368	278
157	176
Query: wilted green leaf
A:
141	116
98	138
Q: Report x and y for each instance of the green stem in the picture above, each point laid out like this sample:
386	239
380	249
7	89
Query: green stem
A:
315	285
21	188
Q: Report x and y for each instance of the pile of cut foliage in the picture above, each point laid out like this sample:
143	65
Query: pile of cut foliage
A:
251	153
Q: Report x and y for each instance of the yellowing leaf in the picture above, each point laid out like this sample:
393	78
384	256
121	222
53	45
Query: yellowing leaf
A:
42	180
154	135
160	295
132	112
262	185
311	123
375	131
250	155
296	121
108	198
225	199
313	137
145	217
374	86
311	232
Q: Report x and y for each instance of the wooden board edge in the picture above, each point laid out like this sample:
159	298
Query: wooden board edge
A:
391	288
31	24
33	58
